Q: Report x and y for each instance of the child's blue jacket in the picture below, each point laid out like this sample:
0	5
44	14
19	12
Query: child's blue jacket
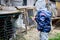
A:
43	19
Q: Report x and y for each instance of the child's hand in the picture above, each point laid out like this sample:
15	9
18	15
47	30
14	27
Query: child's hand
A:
37	30
33	18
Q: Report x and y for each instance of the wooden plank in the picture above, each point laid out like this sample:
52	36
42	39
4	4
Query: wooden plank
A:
27	7
9	12
58	8
58	5
56	18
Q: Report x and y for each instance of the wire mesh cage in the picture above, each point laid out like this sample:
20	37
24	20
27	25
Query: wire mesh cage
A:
7	29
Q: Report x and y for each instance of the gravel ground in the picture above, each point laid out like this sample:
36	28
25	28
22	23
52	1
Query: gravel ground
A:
33	34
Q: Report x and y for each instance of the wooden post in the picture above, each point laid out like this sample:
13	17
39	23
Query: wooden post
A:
58	8
25	19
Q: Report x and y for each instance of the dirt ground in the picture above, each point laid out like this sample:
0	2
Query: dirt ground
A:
33	34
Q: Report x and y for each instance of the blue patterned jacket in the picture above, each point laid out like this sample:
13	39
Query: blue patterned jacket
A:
43	19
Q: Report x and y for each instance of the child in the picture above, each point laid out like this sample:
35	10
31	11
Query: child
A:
43	19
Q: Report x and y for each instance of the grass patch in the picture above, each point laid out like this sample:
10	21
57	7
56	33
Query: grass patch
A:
57	37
